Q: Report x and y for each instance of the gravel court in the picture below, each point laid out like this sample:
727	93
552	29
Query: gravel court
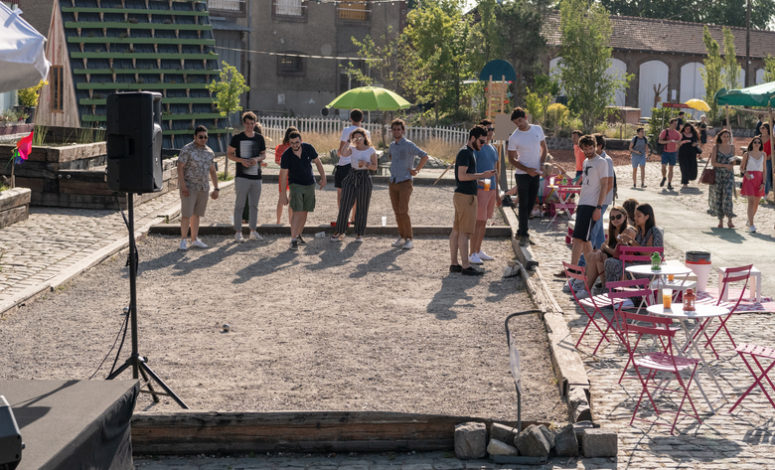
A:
336	326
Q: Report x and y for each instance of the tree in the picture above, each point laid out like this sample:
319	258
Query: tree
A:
228	90
519	27
711	75
586	32
538	99
721	12
731	67
769	69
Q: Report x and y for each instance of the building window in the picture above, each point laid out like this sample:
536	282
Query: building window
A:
57	87
290	65
353	11
226	5
290	8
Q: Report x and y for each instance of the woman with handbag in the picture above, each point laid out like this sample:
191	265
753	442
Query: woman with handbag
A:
752	171
722	159
687	154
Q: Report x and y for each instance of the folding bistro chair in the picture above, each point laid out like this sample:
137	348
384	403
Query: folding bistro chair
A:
653	362
755	353
619	292
567	203
591	306
738	275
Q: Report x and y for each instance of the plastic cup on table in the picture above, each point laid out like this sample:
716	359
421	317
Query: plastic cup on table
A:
667	298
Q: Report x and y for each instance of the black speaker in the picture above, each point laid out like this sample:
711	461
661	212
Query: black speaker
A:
134	142
10	440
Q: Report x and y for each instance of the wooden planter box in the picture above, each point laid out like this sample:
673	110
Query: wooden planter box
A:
20	128
73	176
14	206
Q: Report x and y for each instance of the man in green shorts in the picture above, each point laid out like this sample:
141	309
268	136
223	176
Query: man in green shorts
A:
296	171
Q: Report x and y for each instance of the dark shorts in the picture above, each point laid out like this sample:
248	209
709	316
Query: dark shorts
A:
302	197
669	158
583	227
340	173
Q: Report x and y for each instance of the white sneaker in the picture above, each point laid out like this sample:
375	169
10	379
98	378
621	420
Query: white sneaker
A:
752	228
398	243
183	245
198	244
408	245
238	237
255	236
474	259
484	256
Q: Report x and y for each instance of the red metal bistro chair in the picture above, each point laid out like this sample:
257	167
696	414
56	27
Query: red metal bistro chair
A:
591	306
619	292
665	361
637	255
739	277
755	353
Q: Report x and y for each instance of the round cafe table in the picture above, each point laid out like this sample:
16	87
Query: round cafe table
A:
691	323
665	269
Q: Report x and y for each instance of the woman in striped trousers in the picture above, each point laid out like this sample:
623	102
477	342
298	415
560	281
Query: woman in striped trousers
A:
357	185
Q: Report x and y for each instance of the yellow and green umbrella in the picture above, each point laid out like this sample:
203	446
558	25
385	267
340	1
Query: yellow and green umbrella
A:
369	98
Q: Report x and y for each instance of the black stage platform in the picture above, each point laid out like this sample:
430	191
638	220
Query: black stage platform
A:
73	424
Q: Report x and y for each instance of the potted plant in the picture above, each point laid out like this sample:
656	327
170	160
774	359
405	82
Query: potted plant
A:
28	98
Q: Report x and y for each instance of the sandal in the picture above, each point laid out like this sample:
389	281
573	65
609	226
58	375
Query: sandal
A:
720	224
730	224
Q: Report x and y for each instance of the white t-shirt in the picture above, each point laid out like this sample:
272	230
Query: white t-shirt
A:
755	164
361	156
595	169
345	137
528	146
609	198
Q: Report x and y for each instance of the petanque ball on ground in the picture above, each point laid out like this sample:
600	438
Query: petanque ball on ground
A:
226	327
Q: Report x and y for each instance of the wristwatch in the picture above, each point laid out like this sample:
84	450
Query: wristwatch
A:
599	207
216	189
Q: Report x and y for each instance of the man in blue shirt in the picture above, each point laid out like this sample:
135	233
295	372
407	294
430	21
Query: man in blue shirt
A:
486	195
402	169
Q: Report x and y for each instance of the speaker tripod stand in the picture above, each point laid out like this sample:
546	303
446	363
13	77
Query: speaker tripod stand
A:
139	363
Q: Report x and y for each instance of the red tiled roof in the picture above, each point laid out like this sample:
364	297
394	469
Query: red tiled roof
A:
658	35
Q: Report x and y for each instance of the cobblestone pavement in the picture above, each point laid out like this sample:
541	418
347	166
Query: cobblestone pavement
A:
387	461
743	439
55	243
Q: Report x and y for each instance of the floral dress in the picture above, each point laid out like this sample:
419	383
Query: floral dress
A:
720	194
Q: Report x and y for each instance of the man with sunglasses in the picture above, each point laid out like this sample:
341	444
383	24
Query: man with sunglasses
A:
486	197
195	163
464	200
527	152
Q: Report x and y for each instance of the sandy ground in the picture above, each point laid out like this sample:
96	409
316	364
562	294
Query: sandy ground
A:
335	326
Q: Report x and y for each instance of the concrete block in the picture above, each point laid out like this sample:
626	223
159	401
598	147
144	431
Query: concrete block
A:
496	447
578	404
470	440
532	442
548	434
503	432
599	443
565	442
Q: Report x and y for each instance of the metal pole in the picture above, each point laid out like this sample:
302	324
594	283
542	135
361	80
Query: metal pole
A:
132	281
748	43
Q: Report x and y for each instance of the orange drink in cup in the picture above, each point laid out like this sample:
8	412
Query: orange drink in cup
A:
487	184
667	298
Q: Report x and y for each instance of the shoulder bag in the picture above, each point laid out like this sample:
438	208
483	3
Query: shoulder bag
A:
708	175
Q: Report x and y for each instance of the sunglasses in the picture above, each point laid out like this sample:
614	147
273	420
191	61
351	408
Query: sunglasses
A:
490	129
202	137
482	141
757	142
617	217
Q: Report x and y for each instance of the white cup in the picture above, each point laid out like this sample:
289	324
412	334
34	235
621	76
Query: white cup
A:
384	220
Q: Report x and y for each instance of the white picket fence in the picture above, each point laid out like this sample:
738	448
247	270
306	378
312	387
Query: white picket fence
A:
274	127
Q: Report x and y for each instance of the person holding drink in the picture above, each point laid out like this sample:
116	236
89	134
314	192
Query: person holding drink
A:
357	185
486	195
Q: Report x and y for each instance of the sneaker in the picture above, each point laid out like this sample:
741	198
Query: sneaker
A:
398	243
752	228
471	271
183	245
642	185
474	259
669	186
335	238
485	257
238	237
662	183
358	240
301	240
198	244
582	294
294	244
455	268
524	240
408	245
566	287
255	236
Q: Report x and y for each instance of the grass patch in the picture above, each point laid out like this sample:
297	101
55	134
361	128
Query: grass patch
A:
440	149
222	176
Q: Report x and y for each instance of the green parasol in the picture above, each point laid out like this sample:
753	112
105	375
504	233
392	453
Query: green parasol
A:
369	98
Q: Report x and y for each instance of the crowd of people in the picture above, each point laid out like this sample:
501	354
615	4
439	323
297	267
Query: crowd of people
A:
476	170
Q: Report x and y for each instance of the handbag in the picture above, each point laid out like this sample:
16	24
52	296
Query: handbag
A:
708	175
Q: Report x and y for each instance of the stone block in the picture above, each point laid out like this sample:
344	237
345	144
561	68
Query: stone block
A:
532	442
496	447
503	432
565	442
548	434
599	443
578	403
470	440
